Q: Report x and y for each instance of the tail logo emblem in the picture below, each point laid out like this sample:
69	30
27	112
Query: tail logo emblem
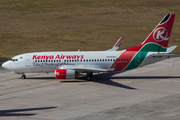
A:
160	34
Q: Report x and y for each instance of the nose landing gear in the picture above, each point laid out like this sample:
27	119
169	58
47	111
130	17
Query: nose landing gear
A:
23	76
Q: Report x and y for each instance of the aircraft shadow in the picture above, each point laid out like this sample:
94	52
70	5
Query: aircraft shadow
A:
106	82
101	79
146	77
110	76
107	79
14	112
39	78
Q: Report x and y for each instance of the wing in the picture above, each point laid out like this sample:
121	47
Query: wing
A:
83	68
93	70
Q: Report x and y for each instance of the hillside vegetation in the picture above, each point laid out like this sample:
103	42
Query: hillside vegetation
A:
88	25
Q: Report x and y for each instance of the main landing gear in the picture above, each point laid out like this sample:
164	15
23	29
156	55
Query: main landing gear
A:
23	76
89	76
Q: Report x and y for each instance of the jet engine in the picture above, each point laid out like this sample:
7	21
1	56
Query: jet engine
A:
64	74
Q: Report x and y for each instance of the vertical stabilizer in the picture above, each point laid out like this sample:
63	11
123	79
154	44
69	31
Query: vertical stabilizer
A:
158	39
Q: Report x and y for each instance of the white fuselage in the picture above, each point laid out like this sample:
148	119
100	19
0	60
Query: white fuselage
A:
50	61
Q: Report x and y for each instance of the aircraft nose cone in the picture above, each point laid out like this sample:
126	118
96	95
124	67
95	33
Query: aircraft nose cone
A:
4	65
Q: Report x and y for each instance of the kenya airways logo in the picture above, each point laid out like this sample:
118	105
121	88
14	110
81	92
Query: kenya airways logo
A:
58	57
160	34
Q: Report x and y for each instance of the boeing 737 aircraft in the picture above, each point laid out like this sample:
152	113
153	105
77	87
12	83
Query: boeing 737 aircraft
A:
70	64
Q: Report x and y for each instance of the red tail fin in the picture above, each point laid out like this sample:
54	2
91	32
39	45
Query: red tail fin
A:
159	37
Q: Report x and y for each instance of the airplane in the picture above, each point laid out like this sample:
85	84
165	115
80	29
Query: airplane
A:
68	65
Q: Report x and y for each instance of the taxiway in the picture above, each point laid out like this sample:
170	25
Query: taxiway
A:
148	93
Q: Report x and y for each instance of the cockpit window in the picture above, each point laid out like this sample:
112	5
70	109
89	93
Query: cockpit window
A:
14	60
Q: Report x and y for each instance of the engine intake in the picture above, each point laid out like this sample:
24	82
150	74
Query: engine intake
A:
64	74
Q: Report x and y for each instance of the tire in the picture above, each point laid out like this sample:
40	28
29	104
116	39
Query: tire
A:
23	77
89	78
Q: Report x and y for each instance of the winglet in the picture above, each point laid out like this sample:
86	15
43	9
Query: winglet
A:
117	45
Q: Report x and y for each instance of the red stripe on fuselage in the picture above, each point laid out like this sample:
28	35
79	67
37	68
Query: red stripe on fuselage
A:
124	59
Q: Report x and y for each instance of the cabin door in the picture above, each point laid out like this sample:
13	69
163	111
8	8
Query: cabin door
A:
27	61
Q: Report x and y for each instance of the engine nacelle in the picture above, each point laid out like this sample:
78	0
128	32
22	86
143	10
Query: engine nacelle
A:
64	74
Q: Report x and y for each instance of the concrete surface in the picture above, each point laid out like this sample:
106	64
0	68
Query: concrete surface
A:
148	93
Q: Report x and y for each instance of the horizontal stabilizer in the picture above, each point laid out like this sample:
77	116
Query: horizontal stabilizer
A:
170	49
167	53
164	55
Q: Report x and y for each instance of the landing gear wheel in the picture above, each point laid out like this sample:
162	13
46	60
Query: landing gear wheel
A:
89	76
23	77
